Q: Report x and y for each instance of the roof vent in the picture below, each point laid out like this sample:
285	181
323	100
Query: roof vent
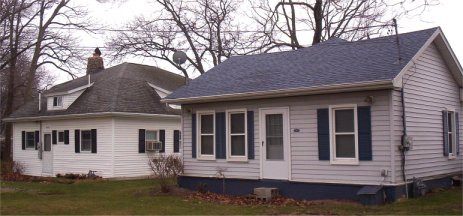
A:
95	63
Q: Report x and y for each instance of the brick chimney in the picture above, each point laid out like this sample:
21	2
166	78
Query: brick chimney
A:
95	63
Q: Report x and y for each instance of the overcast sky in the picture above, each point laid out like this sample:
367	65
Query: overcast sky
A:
447	15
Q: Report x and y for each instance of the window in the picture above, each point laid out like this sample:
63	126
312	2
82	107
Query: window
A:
206	138
344	137
86	140
152	141
61	136
58	101
30	140
451	133
236	135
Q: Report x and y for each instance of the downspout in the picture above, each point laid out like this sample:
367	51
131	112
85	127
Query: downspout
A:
403	147
40	140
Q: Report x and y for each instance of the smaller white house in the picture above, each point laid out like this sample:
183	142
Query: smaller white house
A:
109	121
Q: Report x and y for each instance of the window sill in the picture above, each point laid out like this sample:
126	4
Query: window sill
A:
238	160
206	158
452	157
345	162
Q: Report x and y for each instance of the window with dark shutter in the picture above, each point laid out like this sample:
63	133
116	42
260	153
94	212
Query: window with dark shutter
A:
94	140
162	139
176	141
141	140
445	132
77	141
250	122
323	132
66	137
364	133
53	137
23	140
193	135
220	135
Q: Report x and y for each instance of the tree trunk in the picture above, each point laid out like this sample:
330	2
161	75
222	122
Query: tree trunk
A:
318	17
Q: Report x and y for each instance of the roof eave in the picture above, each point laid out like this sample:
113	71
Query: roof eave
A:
69	91
325	89
88	115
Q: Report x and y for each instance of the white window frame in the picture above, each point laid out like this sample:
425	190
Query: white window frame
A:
81	140
57	137
333	158
229	134
157	137
199	134
452	133
59	101
25	140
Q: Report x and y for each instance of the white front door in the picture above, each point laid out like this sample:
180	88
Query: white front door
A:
47	156
274	137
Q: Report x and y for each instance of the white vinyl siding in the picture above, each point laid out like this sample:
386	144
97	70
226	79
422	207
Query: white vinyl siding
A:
127	161
305	164
429	89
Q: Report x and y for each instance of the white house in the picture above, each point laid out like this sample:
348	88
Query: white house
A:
326	121
108	121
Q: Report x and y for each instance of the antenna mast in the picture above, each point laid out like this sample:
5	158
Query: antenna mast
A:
397	40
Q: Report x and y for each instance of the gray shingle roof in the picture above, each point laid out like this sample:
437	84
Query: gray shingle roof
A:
122	88
332	62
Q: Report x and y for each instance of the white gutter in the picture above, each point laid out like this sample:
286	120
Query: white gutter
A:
88	115
325	89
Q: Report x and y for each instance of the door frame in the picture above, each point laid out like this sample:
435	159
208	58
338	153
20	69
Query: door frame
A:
262	138
49	152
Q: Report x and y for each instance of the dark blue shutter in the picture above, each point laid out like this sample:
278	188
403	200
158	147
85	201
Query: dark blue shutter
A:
323	130
141	140
94	141
53	137
445	132
457	132
37	139
77	141
162	139
220	136
364	133
250	116
23	140
66	137
193	135
176	141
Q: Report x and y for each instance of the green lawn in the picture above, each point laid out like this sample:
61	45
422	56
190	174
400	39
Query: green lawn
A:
131	197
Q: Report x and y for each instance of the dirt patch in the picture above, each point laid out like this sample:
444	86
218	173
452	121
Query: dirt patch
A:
50	193
174	191
8	190
251	200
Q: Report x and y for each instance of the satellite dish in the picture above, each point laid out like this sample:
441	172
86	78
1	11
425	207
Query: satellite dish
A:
179	57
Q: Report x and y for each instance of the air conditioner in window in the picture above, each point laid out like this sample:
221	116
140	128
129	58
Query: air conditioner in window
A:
155	146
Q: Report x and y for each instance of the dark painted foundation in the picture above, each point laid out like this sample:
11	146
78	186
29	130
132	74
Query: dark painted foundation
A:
302	190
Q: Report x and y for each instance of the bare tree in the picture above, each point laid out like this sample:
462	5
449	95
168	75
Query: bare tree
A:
205	29
283	23
35	30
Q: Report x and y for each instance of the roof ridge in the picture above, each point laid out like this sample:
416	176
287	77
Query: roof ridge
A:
118	83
